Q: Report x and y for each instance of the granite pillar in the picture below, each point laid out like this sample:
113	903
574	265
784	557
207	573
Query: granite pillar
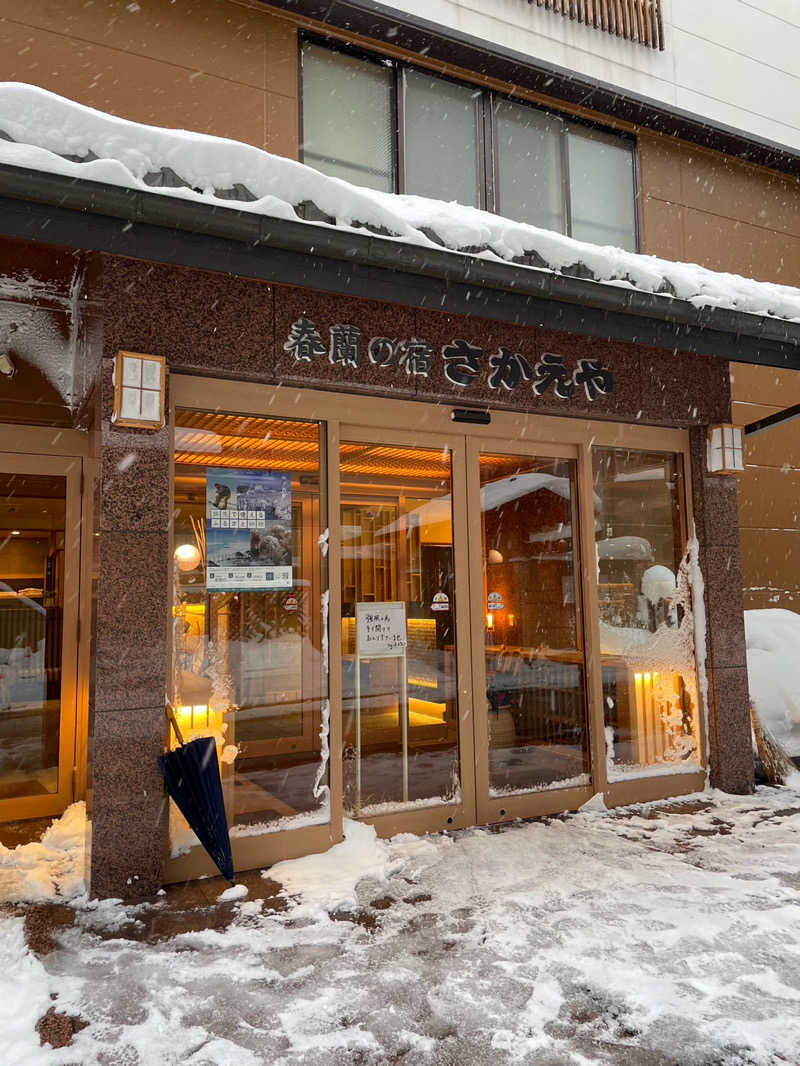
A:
129	811
717	524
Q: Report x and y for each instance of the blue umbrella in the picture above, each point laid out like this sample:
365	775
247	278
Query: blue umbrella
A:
191	774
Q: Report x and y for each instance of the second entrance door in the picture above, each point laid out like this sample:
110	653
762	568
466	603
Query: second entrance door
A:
463	685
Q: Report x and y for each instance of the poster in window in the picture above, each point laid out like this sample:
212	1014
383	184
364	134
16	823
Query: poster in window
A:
248	529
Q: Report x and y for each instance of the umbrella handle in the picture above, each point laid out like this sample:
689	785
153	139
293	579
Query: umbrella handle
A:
170	712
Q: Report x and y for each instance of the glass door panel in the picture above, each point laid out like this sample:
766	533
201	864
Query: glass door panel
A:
32	524
535	699
247	627
399	687
650	689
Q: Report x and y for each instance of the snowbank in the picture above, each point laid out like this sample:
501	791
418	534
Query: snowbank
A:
50	868
328	881
49	133
773	669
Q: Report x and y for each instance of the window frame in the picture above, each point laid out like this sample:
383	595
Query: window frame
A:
486	130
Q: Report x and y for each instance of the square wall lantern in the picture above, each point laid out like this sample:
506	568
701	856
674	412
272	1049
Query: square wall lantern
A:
139	390
724	449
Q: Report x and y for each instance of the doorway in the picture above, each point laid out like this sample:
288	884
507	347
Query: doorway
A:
474	630
40	553
463	678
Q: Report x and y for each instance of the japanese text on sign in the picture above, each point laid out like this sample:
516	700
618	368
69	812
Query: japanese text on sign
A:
462	363
380	630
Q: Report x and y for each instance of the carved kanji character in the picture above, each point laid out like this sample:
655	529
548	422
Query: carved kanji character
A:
416	357
345	346
304	341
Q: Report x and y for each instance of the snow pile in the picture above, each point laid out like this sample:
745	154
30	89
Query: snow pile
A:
49	133
50	868
329	880
773	669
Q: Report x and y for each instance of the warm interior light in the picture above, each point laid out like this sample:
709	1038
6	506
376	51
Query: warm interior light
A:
490	621
494	556
187	556
14	532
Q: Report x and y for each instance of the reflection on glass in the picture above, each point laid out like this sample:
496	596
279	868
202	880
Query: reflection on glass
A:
32	512
536	699
602	188
400	710
530	172
247	664
348	117
441	139
646	626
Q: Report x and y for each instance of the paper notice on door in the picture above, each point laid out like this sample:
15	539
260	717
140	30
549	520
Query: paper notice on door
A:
381	630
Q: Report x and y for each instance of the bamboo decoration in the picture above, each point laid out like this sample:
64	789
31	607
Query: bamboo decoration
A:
199	530
775	762
641	21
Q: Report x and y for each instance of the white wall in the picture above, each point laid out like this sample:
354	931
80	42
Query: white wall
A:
735	62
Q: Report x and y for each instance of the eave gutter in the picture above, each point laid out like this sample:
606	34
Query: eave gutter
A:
712	330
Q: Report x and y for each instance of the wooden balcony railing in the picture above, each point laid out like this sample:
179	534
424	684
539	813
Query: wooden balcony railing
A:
635	20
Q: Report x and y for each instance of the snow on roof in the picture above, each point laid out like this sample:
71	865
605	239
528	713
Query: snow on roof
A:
42	131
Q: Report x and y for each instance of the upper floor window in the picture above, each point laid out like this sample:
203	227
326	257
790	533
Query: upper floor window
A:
388	126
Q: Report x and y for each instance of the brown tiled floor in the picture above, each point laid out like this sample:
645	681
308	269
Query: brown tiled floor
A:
14	833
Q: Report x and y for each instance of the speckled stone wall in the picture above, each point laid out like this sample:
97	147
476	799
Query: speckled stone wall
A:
130	649
222	326
717	525
235	327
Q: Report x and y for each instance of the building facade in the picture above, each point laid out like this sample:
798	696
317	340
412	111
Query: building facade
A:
414	536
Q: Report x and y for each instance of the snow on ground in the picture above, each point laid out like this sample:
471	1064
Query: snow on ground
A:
50	868
58	136
773	669
663	935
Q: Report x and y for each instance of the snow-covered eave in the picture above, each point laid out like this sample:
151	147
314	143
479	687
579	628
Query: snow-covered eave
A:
714	330
57	153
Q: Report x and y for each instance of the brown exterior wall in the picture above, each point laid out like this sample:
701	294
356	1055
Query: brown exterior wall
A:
728	215
209	65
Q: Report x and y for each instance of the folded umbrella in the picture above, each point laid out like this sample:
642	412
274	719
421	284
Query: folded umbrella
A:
191	774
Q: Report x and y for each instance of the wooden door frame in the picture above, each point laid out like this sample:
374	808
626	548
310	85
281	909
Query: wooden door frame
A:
375	418
532	803
438	816
61	453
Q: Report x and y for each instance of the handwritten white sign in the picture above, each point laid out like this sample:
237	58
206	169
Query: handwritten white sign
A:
380	630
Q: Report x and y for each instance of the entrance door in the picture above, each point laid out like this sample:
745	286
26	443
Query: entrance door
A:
39	569
532	739
463	680
406	701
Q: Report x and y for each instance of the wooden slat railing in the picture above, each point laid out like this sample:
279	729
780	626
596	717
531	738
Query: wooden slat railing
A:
635	20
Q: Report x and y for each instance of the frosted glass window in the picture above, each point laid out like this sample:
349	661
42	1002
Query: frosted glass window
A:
441	139
602	188
531	181
348	123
